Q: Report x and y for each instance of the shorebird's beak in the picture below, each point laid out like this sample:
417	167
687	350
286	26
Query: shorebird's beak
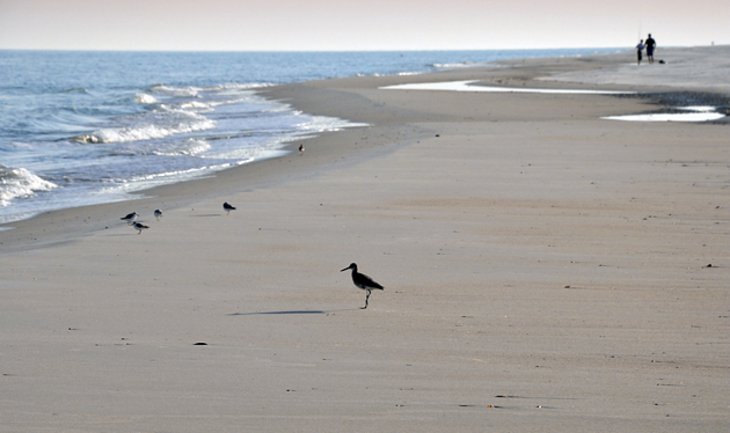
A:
345	269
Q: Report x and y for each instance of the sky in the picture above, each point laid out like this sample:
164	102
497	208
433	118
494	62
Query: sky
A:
310	25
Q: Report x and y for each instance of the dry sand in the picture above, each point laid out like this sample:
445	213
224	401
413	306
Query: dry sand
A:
545	271
696	68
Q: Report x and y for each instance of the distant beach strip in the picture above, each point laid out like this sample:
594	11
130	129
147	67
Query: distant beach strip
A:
678	114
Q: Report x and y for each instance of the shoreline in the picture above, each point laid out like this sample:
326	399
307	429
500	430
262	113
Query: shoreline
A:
546	72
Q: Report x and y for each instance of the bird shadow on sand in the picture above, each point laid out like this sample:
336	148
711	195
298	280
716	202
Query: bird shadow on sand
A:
291	312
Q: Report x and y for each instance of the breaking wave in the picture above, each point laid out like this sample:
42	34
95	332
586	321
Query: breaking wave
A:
143	132
189	147
19	182
145	99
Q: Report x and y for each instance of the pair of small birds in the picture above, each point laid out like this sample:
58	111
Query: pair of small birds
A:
131	219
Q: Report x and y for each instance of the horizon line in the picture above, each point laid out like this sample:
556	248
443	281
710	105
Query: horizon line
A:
374	50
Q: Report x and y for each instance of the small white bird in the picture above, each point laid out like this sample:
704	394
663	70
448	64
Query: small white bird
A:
139	227
130	217
228	207
158	214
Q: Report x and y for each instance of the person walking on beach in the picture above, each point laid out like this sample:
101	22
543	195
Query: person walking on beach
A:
650	45
639	49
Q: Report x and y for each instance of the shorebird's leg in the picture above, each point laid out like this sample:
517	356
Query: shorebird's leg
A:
366	300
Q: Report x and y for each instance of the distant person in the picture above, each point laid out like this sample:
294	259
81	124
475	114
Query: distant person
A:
639	50
650	45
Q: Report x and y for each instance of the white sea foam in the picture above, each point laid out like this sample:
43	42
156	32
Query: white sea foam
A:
462	65
183	109
189	91
145	99
236	88
19	182
319	124
190	147
139	183
196	105
467	86
147	132
245	154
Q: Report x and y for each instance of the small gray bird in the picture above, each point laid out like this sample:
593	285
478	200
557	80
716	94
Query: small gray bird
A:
363	281
228	207
158	214
130	217
139	227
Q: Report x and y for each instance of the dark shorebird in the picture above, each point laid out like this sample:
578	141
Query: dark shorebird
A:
228	207
130	217
301	149
139	227
158	214
363	281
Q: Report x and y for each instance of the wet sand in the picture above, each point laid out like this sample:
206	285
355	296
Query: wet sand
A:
544	270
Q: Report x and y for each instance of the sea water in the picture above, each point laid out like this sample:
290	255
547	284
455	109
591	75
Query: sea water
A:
472	86
80	128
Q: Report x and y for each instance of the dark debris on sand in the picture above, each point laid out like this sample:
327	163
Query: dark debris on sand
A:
669	102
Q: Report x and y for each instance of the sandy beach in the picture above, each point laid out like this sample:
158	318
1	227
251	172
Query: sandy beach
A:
545	270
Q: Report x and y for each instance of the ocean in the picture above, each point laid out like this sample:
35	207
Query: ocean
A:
79	128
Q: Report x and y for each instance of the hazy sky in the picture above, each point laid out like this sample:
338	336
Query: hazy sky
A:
357	25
